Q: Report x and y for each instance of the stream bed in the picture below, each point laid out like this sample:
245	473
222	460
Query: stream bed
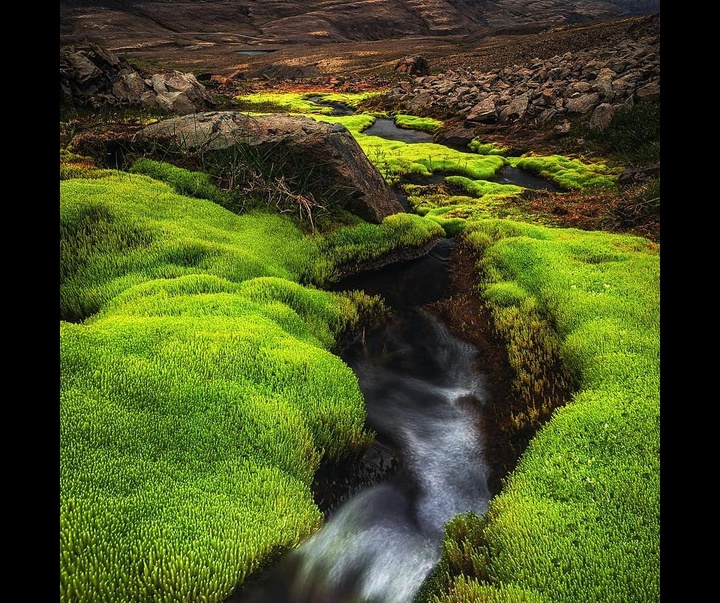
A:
424	398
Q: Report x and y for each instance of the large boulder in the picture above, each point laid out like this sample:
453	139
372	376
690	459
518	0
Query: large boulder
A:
324	156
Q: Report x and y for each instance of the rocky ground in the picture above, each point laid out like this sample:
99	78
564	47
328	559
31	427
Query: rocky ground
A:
518	86
325	38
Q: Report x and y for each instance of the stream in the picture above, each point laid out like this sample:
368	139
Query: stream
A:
424	397
385	127
424	394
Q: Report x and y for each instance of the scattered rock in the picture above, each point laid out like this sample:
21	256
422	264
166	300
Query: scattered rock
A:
412	65
421	104
563	127
602	116
458	136
583	103
639	175
179	92
649	92
541	89
91	76
485	111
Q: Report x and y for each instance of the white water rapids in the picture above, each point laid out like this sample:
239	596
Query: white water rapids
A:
424	396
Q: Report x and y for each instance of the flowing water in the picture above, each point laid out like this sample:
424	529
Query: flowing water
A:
424	395
338	107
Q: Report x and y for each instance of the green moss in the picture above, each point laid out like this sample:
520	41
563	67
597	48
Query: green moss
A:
505	294
487	148
198	396
483	188
148	231
297	102
352	99
396	158
579	517
413	122
73	165
348	247
185	182
570	174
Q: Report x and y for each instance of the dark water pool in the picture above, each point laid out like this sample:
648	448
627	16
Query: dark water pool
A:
386	128
339	108
513	175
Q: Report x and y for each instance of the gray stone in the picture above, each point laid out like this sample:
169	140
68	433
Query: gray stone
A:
517	106
583	103
484	112
582	87
443	87
341	172
458	136
546	115
95	77
180	92
649	92
421	104
602	116
84	68
412	65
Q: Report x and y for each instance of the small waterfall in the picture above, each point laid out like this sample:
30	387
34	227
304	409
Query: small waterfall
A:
424	398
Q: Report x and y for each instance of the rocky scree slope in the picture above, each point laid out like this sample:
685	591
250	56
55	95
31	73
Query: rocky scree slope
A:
597	82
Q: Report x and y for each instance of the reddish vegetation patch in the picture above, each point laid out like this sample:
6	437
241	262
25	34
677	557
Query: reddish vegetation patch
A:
622	212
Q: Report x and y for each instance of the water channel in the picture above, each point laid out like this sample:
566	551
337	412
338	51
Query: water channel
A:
425	393
387	128
424	397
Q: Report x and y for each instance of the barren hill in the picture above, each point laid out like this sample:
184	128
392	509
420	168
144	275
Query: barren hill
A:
226	35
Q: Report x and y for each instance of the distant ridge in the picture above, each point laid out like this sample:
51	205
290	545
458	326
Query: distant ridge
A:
125	23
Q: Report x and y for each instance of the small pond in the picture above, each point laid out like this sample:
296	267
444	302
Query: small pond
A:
254	52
